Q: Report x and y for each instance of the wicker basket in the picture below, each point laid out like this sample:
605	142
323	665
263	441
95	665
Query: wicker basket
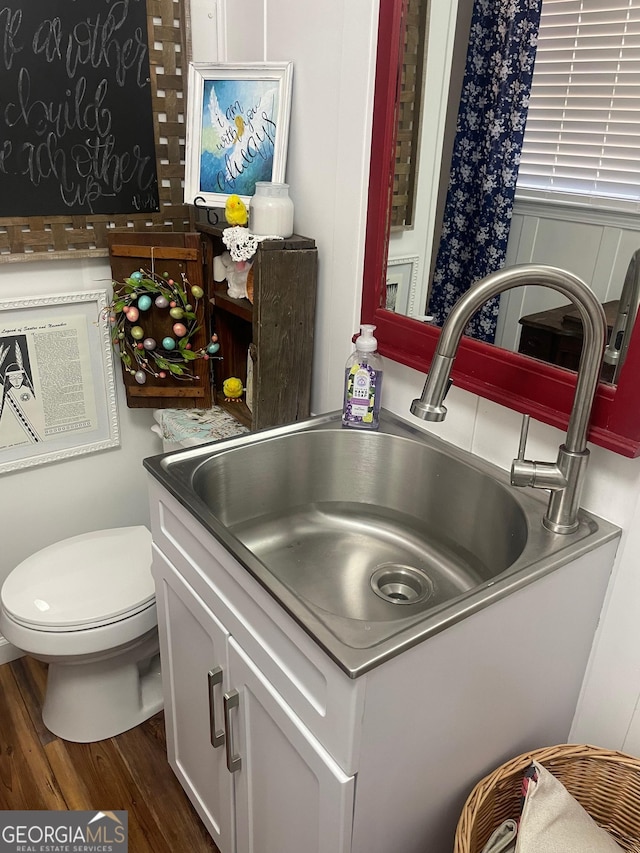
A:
605	783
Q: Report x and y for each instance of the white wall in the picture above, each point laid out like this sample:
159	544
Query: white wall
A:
332	45
609	711
606	714
598	249
43	504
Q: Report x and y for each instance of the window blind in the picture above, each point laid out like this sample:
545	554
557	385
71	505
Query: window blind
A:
583	128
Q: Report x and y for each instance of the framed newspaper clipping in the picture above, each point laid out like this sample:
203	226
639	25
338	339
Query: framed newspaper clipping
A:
57	387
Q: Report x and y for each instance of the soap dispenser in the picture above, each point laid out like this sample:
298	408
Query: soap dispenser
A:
363	383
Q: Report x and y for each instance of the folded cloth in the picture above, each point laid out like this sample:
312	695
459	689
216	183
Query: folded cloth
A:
553	821
196	426
503	839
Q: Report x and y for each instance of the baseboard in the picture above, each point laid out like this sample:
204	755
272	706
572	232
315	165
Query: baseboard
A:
8	652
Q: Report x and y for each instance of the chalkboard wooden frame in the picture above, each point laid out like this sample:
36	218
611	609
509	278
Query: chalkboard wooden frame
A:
60	237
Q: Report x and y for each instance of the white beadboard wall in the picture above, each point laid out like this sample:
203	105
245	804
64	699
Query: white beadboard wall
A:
597	246
333	47
594	245
607	714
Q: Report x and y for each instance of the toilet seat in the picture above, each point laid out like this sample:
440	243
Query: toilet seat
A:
85	582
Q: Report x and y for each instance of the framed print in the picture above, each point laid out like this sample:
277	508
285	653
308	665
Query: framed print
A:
237	129
402	277
57	389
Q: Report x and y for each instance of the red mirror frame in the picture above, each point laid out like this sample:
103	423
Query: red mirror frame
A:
513	380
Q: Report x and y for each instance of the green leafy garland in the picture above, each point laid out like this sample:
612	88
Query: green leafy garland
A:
141	354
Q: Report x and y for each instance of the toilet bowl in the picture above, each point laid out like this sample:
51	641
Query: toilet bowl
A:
86	607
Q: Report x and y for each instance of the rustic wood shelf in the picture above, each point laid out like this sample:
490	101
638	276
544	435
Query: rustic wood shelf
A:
240	307
267	343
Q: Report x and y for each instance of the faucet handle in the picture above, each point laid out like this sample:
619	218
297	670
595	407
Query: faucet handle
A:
522	472
524	432
540	475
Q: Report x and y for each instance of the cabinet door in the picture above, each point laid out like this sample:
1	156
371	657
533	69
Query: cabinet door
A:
291	796
193	646
175	255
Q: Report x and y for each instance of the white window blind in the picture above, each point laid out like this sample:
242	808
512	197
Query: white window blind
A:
583	128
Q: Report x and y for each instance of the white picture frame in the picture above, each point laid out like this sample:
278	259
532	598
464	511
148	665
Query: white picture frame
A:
401	281
237	129
57	385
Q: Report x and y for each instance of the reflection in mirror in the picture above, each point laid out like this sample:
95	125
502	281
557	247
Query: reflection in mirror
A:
531	321
600	251
409	115
622	325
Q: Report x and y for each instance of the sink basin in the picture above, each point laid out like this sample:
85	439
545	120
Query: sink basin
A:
371	540
324	510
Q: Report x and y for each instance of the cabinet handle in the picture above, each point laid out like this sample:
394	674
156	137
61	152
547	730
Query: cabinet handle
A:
231	700
217	735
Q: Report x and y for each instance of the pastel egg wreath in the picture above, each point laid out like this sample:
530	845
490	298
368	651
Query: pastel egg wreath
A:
141	355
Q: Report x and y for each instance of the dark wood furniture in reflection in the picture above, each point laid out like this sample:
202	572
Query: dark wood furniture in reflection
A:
555	335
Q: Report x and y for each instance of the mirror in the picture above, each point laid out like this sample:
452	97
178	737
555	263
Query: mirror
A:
508	378
594	245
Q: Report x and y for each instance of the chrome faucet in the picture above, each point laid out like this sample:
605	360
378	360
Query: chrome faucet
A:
565	477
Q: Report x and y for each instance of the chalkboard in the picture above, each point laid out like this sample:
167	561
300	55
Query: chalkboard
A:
76	119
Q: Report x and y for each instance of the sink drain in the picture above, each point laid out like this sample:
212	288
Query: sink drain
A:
400	584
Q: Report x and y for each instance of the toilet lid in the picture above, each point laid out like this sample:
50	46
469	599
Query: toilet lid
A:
85	581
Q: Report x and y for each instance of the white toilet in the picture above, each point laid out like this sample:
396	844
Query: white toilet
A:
86	606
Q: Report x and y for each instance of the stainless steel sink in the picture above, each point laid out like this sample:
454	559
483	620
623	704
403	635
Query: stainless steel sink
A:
326	509
371	540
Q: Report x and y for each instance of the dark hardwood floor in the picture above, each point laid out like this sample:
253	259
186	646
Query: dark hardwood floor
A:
40	771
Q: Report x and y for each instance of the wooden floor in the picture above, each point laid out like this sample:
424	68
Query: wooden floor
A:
40	771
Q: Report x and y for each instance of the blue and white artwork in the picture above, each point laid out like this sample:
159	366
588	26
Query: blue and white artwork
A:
238	135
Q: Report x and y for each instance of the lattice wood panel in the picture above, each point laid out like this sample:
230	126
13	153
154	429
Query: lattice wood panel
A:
409	112
40	238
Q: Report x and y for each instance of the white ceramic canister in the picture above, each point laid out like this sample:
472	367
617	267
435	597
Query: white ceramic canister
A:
271	210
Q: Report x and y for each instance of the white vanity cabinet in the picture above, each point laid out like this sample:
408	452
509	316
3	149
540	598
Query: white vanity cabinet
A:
292	795
257	776
416	731
194	661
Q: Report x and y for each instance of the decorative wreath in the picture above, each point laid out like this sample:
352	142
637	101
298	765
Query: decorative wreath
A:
142	355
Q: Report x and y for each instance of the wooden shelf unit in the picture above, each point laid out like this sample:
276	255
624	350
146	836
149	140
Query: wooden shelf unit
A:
267	343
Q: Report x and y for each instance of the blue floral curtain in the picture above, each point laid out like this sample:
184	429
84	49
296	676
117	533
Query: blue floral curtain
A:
486	155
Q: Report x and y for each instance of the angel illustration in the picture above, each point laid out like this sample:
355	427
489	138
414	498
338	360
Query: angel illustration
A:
238	137
17	390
